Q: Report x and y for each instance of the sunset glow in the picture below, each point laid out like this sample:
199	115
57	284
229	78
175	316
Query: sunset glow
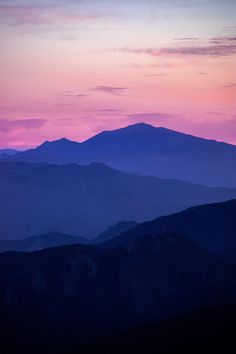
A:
74	68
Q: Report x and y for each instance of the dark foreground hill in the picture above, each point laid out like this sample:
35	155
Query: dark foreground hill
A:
144	149
38	242
206	330
213	226
85	200
62	297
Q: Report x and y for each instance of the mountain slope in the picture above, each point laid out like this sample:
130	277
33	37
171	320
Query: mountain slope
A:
85	200
213	226
144	149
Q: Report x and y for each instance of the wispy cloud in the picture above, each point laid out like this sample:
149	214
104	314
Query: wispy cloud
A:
150	116
110	89
220	39
21	14
7	126
209	50
80	95
155	75
65	104
230	85
43	13
110	110
215	113
186	39
72	94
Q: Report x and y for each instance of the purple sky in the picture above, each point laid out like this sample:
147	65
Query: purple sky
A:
74	68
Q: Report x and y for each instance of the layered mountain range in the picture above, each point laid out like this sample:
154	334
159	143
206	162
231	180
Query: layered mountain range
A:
211	225
84	200
123	243
78	293
145	149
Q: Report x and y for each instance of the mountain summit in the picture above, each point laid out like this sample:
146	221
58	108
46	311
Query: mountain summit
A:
144	149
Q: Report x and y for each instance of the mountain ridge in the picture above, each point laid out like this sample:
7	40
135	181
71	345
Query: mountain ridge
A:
147	150
213	226
136	126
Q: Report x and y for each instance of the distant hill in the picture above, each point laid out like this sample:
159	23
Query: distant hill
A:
8	152
85	200
35	243
213	226
70	294
144	149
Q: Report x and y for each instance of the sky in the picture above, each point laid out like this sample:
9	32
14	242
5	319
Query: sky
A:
75	68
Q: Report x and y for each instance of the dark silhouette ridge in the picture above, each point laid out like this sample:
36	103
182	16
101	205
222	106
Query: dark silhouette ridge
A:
213	226
85	200
144	149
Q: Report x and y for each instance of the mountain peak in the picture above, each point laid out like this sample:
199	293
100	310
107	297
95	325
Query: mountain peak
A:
61	140
64	140
139	128
140	125
61	146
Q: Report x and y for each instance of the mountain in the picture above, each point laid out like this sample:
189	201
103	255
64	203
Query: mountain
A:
71	294
85	200
147	150
213	226
8	152
114	231
64	147
35	243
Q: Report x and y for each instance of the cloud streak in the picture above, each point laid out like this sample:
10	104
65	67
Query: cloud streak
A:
210	50
71	94
233	85
43	14
110	89
8	126
149	116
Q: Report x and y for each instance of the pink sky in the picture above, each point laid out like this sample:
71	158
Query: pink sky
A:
71	69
